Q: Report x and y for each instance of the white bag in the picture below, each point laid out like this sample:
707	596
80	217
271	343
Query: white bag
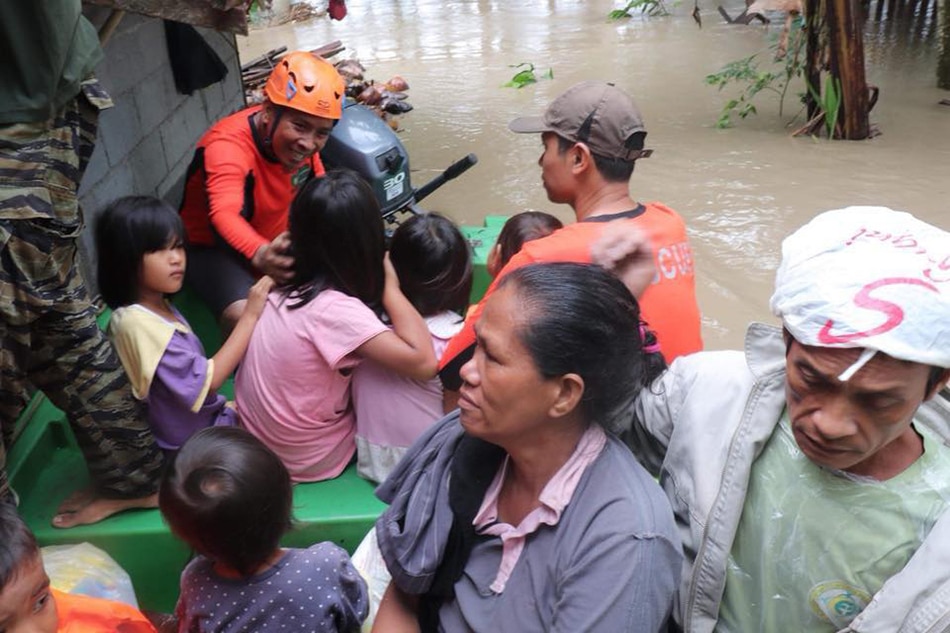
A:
369	562
868	277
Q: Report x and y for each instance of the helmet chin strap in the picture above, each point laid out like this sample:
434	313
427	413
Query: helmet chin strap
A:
268	139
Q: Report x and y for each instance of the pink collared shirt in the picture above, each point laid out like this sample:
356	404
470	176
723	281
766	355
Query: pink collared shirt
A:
554	498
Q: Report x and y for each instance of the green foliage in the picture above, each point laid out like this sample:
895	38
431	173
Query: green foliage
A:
829	103
525	77
755	74
745	72
648	7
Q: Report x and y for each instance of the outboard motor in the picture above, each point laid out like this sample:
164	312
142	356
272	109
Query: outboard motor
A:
363	142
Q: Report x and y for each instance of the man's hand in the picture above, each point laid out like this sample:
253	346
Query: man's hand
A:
273	259
625	251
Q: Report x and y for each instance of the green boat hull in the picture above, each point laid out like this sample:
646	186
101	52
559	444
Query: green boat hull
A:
45	465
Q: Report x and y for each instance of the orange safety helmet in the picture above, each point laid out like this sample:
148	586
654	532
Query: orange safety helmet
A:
308	83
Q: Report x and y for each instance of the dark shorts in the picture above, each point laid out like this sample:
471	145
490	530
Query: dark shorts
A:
218	275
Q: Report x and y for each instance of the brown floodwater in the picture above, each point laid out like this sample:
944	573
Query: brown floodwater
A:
740	189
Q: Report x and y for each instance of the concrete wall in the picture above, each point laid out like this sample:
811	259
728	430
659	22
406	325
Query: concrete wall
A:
147	140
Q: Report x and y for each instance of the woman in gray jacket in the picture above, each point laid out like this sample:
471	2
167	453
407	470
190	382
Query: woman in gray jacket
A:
522	512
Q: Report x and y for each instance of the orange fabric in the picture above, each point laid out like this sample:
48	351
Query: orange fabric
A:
668	305
82	614
230	176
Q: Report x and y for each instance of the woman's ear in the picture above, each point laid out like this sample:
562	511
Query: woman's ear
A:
493	262
570	390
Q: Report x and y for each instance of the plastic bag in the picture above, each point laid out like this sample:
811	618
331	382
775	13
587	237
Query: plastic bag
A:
87	570
868	277
369	562
815	545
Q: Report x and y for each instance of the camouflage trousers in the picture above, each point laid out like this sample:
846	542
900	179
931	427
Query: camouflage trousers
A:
48	332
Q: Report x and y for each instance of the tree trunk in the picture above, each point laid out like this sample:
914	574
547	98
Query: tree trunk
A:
813	53
846	44
943	66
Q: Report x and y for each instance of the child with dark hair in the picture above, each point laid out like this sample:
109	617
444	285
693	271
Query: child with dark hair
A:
432	260
229	497
141	263
293	388
28	603
518	229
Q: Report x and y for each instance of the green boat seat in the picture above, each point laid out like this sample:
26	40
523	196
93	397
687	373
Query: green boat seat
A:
46	465
482	239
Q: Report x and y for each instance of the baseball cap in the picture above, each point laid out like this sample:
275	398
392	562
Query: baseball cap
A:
595	113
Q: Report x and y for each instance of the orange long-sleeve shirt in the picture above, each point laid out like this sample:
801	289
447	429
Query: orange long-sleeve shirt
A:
236	192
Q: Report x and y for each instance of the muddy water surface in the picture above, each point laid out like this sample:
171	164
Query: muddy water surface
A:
741	189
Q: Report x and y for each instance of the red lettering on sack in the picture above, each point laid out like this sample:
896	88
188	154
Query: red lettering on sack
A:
940	273
905	241
863	299
855	236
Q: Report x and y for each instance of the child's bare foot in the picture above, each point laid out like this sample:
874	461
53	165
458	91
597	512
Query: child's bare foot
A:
87	506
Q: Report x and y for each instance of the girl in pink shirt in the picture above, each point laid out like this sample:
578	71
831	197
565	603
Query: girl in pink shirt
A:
293	388
432	259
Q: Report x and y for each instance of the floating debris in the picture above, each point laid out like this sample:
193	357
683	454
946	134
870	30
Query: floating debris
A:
262	14
387	99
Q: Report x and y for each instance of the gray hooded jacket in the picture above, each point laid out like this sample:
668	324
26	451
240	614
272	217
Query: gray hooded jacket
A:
700	429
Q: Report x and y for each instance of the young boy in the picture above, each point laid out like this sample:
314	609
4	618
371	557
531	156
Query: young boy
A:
29	605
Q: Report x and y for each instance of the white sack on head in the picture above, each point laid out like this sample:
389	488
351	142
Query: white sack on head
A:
868	277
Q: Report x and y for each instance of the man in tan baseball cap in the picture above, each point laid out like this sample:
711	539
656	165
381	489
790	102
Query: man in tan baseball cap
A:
595	113
593	133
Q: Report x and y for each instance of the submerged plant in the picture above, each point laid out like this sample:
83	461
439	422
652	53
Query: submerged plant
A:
750	74
648	7
524	77
828	103
745	72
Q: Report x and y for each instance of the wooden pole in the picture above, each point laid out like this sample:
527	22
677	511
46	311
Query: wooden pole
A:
813	53
111	24
920	21
846	47
879	11
943	64
910	9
